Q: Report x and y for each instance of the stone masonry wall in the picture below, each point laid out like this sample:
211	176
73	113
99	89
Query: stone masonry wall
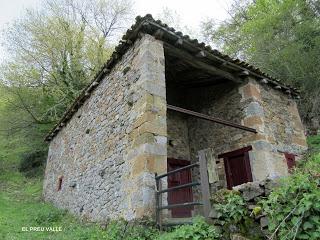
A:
187	135
276	118
222	101
272	113
178	136
177	125
252	193
107	154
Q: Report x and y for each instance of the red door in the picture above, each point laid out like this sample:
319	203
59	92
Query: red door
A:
237	166
183	195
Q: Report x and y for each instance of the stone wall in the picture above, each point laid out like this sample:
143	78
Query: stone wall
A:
271	112
178	136
252	193
276	118
107	154
187	135
222	101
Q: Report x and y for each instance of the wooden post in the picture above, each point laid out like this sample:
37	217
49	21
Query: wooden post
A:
160	203
204	184
157	200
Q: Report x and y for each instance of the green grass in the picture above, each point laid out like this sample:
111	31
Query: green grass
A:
314	143
21	205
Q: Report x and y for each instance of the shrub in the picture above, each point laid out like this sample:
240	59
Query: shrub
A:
198	230
293	209
146	230
314	143
230	213
124	230
230	207
32	163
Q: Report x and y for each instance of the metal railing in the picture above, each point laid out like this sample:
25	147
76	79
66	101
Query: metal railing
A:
204	183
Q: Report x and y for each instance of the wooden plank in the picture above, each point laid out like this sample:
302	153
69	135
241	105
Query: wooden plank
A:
158	195
204	184
212	119
235	152
188	204
248	166
180	187
158	202
177	170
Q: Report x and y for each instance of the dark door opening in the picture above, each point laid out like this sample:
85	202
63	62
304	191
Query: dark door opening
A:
291	161
237	166
183	195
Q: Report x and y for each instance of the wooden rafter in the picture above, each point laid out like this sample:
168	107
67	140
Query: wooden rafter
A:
212	119
199	64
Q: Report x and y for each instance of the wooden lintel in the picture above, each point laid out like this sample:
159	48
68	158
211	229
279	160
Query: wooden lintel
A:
212	119
197	63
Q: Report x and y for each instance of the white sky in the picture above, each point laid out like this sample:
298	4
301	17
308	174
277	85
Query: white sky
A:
190	12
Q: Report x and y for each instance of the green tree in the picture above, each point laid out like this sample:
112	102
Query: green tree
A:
280	37
53	53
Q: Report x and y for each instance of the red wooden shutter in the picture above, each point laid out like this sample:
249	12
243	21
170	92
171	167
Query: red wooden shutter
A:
237	166
291	161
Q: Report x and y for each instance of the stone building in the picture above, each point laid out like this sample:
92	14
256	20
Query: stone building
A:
159	100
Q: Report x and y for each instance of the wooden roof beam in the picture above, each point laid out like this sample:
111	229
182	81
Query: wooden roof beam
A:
197	63
212	119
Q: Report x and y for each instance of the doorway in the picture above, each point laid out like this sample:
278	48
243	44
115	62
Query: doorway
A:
182	195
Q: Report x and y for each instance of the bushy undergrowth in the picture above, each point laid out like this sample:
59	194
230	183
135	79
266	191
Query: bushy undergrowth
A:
293	209
314	143
198	230
232	216
123	230
230	207
32	163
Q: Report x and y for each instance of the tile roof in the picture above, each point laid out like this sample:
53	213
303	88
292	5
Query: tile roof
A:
168	34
